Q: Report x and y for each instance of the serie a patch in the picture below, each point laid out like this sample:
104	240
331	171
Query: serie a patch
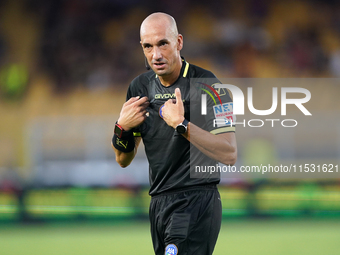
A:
160	112
171	249
224	114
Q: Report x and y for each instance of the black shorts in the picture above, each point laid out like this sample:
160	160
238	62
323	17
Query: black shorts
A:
186	222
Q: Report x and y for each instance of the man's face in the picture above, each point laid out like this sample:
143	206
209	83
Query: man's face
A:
161	48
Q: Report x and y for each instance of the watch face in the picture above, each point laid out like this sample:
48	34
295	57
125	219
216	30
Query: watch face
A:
181	129
118	131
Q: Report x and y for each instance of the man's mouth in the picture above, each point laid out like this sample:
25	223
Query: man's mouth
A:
159	65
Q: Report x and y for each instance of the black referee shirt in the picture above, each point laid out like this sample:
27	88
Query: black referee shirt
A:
169	154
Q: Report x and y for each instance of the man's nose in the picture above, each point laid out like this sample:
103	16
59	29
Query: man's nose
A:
157	53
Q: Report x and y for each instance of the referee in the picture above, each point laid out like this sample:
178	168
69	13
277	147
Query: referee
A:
185	213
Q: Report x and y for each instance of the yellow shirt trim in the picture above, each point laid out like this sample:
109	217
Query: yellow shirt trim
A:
186	69
222	130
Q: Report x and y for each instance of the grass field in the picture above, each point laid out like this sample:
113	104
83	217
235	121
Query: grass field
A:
237	237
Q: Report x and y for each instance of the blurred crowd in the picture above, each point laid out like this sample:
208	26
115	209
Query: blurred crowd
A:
95	43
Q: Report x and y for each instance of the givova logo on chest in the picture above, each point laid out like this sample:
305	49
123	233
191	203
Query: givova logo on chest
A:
165	96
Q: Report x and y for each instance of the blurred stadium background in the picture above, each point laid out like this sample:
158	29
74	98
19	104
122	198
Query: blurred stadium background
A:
65	66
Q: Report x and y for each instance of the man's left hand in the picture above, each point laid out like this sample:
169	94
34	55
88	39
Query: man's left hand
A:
173	110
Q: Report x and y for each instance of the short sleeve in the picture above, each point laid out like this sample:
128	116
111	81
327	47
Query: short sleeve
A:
220	111
212	108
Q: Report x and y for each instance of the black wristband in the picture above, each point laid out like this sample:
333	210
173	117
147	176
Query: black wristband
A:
124	144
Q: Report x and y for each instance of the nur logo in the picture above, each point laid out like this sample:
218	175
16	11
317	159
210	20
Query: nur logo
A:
225	113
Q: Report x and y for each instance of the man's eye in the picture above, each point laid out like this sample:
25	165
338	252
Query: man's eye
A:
163	43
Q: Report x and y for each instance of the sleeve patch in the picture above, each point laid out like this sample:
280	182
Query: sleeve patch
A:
224	114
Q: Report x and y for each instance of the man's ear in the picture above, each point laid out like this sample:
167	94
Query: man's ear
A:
179	42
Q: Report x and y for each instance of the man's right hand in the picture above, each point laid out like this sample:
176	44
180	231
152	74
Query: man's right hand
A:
133	112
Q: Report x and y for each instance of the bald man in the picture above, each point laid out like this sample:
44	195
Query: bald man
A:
185	212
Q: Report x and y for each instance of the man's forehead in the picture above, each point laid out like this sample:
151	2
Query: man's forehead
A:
156	34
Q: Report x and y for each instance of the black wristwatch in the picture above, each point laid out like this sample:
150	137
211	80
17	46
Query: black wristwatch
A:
119	131
182	128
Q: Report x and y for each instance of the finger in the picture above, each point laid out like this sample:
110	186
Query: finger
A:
169	101
178	95
145	105
131	100
143	116
141	108
141	101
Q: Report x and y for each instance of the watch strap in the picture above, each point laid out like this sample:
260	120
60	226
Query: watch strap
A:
123	133
185	122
